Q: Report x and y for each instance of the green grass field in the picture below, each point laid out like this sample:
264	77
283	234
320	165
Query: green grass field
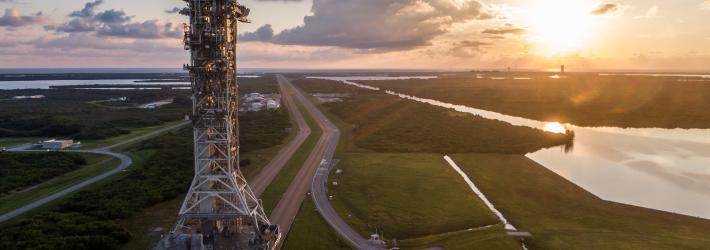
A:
310	231
560	215
405	195
97	164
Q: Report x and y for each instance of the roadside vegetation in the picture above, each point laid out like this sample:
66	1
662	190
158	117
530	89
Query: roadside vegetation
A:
22	170
561	215
583	99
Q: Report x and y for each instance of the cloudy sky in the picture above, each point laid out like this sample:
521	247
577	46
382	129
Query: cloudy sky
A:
402	34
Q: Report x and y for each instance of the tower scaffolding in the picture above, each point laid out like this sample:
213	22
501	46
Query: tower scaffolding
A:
220	211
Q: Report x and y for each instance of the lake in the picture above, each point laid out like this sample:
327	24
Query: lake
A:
664	169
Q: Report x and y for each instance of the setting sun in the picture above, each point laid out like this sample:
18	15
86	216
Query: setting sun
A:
558	26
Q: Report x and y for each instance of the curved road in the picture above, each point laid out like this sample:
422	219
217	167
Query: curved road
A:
312	176
125	163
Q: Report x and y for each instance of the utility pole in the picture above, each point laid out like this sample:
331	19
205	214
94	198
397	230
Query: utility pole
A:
220	210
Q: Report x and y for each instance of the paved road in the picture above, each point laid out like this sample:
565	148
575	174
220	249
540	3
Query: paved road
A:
262	180
125	163
314	171
286	210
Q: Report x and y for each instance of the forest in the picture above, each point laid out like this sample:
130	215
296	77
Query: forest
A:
18	171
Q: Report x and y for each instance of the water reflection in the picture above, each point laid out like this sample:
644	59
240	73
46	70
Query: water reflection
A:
555	127
664	169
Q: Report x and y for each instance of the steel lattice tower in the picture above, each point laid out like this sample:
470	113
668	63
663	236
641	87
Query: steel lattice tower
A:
220	210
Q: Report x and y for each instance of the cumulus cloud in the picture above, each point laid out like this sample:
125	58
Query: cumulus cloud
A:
605	8
88	10
115	23
13	18
383	25
263	34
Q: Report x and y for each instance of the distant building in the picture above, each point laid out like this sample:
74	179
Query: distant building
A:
57	144
256	102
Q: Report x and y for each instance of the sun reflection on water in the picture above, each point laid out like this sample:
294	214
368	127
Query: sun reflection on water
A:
555	127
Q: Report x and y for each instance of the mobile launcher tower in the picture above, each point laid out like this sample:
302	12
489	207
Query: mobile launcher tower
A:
220	210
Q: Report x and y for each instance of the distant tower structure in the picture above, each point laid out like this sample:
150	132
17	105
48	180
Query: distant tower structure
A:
562	69
220	210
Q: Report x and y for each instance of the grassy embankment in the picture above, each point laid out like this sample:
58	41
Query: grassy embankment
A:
561	215
581	99
96	164
394	178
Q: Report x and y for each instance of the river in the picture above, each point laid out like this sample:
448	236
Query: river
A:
663	169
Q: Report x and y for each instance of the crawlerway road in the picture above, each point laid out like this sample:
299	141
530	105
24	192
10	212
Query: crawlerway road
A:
125	163
286	210
322	155
262	180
